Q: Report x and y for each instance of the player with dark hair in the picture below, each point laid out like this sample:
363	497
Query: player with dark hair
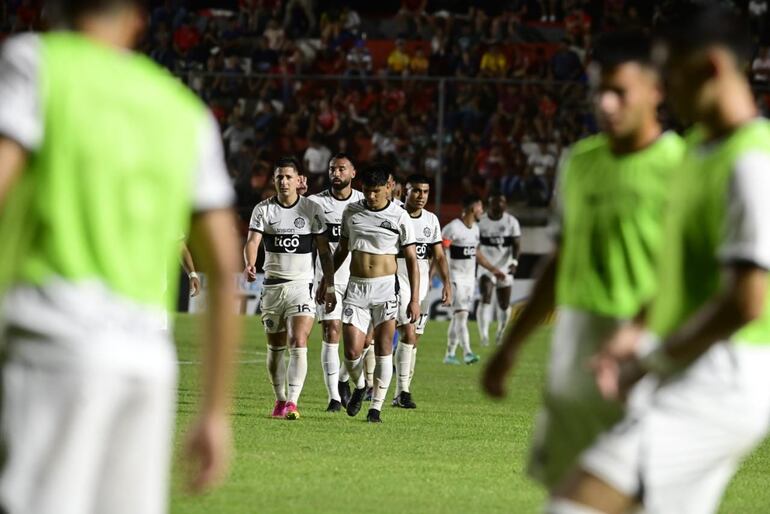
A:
95	190
500	233
461	237
429	248
611	197
333	202
703	343
374	230
289	225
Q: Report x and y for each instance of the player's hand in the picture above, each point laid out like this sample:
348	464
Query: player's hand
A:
250	272
330	300
512	269
195	286
208	449
499	275
413	310
319	292
616	368
446	295
496	372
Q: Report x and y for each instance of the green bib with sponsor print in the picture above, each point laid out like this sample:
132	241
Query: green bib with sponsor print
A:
695	221
108	192
612	219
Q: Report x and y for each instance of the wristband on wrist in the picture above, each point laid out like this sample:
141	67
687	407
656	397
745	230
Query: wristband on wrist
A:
652	356
330	289
193	275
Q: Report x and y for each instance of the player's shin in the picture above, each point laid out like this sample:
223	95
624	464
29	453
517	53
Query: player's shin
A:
296	373
276	369
330	362
383	373
404	353
484	313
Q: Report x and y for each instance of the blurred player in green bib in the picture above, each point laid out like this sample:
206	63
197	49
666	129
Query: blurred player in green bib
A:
104	156
704	344
611	200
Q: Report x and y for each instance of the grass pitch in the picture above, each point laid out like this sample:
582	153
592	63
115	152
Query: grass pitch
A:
457	452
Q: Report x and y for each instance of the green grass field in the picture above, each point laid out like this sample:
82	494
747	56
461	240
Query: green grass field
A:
457	452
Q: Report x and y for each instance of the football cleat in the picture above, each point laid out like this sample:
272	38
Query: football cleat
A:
373	416
291	411
471	358
451	359
279	411
356	399
334	406
344	390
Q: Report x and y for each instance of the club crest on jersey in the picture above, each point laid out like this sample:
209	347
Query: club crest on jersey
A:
269	323
348	311
426	231
299	222
386	224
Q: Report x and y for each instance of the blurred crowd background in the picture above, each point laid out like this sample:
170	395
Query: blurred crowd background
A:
486	96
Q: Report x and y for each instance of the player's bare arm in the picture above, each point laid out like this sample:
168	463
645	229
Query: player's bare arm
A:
12	161
189	267
440	263
250	255
540	304
742	301
516	250
209	440
484	263
410	255
327	265
341	253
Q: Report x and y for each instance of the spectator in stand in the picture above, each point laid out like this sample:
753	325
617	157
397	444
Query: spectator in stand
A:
359	60
493	62
398	60
275	35
297	10
392	99
758	13
578	26
316	160
327	121
418	65
565	63
263	58
542	164
235	135
186	37
760	67
466	67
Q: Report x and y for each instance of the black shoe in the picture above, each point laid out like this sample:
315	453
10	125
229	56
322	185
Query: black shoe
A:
369	393
405	400
373	416
344	391
356	399
334	406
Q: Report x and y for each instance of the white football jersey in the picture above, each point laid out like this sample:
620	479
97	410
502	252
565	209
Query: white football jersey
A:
332	216
380	232
497	237
427	234
463	242
287	234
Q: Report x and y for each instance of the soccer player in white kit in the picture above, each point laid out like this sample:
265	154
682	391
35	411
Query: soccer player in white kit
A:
462	238
288	224
374	230
500	234
333	202
427	233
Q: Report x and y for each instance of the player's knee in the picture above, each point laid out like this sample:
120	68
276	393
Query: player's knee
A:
298	341
331	333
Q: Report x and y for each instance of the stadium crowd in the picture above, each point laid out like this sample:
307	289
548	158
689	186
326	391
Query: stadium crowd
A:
311	78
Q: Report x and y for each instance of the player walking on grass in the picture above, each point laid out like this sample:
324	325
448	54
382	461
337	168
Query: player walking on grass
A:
333	202
500	233
374	231
705	340
103	158
612	199
427	233
289	225
462	238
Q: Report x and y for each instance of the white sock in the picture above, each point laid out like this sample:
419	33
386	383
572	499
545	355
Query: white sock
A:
297	372
451	345
369	365
404	354
564	506
355	368
484	319
461	331
503	315
276	371
330	363
411	371
383	372
344	375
